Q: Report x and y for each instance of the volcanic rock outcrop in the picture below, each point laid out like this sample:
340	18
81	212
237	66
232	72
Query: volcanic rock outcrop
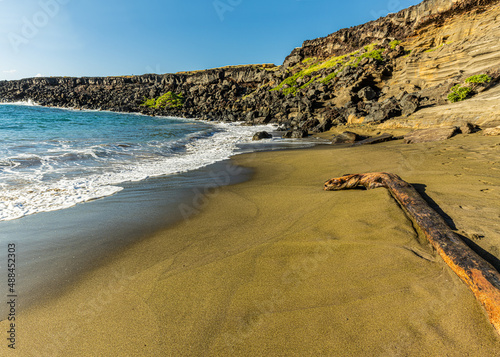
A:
384	71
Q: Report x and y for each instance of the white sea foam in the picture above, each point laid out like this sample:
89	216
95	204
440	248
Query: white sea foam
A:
33	194
28	103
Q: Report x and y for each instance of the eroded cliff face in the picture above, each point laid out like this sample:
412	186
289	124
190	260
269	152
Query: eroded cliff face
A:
406	23
460	45
372	73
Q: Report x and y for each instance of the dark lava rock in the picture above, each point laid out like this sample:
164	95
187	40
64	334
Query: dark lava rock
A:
322	127
347	137
367	94
296	134
409	104
468	128
380	112
261	135
428	135
263	120
310	124
376	139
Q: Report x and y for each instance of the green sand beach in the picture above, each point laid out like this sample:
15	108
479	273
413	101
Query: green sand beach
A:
276	266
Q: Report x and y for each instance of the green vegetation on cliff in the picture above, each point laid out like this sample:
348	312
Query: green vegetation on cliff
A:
331	76
168	100
393	44
478	79
459	92
311	66
304	86
375	54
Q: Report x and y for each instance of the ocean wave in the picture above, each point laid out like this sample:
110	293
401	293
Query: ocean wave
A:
27	103
47	186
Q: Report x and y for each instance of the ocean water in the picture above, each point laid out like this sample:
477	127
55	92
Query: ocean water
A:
51	159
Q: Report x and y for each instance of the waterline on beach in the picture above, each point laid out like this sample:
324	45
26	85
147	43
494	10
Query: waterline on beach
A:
52	159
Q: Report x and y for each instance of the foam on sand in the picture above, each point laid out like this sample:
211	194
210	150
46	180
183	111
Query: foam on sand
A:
26	189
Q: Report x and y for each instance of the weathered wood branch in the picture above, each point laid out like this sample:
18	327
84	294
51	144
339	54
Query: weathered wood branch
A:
480	276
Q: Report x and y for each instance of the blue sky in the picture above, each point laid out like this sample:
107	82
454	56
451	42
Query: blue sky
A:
111	37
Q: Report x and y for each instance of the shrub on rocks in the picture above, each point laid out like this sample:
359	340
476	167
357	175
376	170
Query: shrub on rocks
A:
472	84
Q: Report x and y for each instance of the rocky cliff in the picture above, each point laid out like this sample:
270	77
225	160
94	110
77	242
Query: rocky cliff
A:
401	25
372	73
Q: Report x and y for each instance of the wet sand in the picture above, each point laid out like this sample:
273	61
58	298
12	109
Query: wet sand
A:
275	266
54	248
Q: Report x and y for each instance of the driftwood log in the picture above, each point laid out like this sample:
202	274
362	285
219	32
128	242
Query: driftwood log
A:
480	276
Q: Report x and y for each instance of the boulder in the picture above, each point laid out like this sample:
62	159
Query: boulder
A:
428	135
383	111
296	134
409	104
376	139
261	135
367	94
468	128
347	137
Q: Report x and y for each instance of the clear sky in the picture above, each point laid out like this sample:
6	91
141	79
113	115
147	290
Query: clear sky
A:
124	37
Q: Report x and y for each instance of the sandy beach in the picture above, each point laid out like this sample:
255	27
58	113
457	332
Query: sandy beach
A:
276	266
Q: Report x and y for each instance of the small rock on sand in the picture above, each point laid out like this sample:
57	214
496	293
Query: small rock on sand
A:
261	135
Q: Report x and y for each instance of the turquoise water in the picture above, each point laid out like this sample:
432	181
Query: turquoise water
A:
52	159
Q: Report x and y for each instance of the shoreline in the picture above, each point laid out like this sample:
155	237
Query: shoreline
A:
206	143
276	264
55	248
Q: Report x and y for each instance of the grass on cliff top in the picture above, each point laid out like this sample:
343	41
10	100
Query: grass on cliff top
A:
290	85
370	47
309	60
168	100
